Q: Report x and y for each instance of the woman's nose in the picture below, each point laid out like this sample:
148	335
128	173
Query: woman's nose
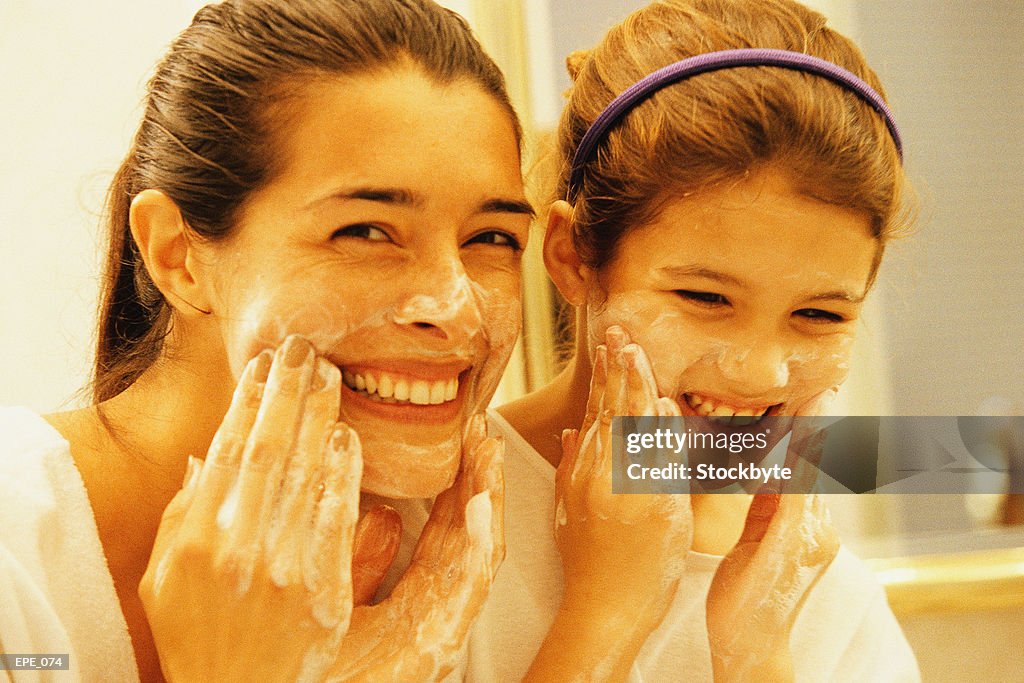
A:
443	304
755	369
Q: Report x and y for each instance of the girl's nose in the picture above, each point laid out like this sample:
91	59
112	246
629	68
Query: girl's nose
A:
756	369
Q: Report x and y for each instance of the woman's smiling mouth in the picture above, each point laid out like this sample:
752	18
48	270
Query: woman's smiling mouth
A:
407	391
389	387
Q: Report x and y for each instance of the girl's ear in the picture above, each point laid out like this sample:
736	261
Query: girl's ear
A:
567	270
159	231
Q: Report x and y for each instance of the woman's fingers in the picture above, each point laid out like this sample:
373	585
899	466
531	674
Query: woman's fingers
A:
378	536
494	485
220	471
271	440
329	550
292	517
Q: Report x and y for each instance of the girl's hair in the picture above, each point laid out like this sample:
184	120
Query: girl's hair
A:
207	133
720	126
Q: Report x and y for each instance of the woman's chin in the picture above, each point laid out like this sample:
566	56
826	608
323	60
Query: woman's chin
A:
402	470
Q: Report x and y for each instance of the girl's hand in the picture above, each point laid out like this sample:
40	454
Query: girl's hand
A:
418	632
787	544
256	551
622	555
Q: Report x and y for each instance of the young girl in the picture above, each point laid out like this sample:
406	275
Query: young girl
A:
344	171
727	215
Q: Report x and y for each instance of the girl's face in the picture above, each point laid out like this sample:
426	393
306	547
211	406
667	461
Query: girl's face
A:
745	297
391	239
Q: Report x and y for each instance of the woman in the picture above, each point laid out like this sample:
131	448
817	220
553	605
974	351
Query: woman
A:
323	206
728	221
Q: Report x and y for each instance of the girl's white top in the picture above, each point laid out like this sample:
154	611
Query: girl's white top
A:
56	592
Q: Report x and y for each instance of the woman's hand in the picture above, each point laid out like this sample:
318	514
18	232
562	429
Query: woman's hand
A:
622	555
418	632
787	544
250	576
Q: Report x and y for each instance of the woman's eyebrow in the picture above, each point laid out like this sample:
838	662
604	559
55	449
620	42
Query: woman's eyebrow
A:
520	206
385	195
402	197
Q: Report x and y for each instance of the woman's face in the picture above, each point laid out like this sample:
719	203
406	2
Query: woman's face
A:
745	297
391	239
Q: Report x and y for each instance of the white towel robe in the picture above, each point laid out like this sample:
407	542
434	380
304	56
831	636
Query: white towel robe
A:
56	593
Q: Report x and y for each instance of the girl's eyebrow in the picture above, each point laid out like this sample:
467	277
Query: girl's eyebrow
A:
403	197
674	272
701	271
838	295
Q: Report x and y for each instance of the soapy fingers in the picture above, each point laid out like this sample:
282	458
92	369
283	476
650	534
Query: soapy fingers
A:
257	547
759	589
418	631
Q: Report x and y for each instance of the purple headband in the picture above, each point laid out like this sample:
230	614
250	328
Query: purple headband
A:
713	61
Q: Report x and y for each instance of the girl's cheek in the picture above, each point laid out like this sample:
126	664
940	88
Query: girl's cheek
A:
816	369
672	343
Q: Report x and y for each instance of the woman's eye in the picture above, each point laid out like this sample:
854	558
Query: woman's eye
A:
497	238
363	231
817	314
709	299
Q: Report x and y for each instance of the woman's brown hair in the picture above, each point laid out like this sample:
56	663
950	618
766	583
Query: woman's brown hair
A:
207	133
720	126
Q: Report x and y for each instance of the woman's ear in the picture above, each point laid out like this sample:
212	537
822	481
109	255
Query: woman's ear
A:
161	235
567	270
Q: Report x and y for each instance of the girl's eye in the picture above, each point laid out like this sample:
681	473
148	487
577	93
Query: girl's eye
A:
818	315
496	238
708	299
363	231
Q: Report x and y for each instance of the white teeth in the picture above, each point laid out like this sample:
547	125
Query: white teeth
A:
401	390
391	389
386	388
419	393
707	408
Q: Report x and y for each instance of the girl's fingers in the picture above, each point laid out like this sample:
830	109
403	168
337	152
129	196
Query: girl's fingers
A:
329	553
290	524
271	440
377	538
762	510
615	386
220	473
570	451
597	385
803	457
641	389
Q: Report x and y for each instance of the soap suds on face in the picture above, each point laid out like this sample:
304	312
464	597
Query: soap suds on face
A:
687	357
479	324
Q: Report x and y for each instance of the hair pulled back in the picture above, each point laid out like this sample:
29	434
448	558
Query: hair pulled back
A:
720	126
206	137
